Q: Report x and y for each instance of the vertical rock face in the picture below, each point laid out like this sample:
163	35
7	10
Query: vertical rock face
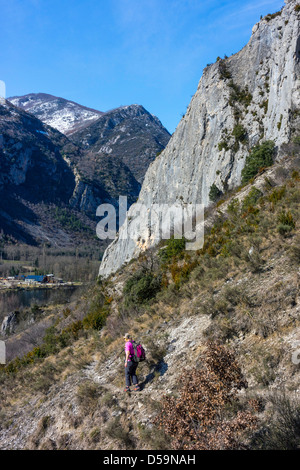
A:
9	323
240	101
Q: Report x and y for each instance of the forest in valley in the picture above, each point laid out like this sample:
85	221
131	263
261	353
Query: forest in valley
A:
74	264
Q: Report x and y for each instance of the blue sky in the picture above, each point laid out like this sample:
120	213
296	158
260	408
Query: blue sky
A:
108	53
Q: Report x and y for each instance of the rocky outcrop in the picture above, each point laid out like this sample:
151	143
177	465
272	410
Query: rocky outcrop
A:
240	101
9	323
101	180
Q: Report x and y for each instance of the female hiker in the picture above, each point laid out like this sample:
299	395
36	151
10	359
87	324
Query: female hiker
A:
130	365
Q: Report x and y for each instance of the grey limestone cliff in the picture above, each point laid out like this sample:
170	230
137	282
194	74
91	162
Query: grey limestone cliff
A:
242	100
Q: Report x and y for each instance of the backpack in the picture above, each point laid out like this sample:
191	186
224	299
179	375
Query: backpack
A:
139	352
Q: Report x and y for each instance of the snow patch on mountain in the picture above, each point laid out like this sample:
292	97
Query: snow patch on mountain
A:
59	113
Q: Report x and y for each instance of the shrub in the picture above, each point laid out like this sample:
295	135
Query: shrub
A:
115	429
88	395
214	193
155	438
277	195
265	106
239	132
286	218
233	207
281	430
97	313
44	377
141	287
220	202
199	418
252	198
256	262
260	156
224	72
181	273
267	362
223	145
239	95
50	345
73	329
271	16
95	319
295	175
284	230
35	309
296	140
286	223
173	248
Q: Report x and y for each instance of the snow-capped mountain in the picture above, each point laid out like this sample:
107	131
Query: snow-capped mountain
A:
47	182
64	115
42	170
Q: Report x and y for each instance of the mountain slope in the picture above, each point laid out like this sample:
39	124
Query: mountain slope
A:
241	101
40	167
64	115
130	133
31	156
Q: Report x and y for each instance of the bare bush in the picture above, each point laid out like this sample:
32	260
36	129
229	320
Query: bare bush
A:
281	430
200	418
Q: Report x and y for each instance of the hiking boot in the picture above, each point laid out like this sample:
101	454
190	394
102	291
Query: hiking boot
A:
137	388
127	389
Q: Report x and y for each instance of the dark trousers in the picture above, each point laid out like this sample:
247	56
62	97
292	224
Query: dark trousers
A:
130	373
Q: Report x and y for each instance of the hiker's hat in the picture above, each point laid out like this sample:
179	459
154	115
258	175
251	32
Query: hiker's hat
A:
127	336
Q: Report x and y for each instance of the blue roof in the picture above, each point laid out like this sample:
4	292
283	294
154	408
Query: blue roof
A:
36	278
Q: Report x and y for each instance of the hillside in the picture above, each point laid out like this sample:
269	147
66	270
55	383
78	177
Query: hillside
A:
36	184
241	289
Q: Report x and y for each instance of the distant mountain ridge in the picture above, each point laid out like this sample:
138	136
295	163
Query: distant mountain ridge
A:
60	113
42	167
130	133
